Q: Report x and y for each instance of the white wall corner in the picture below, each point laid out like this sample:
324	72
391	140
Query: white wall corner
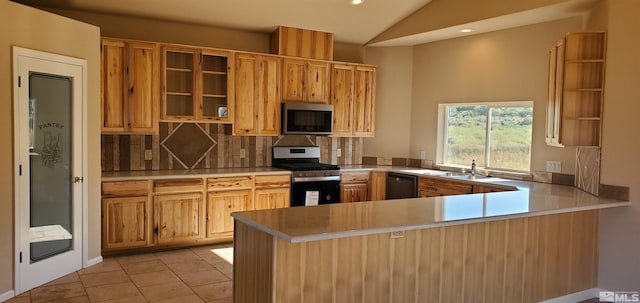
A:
576	297
7	295
94	261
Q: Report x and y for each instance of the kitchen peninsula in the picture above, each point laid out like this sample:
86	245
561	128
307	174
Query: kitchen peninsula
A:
527	245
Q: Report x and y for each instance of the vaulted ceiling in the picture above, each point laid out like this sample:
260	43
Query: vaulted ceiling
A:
374	22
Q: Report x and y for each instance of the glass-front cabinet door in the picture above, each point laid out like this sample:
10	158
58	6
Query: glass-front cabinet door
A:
179	84
215	73
195	85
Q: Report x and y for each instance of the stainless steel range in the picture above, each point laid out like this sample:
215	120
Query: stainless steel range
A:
312	182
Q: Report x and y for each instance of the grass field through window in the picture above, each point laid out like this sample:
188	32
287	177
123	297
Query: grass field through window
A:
510	136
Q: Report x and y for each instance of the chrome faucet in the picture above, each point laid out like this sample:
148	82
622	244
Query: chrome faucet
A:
473	167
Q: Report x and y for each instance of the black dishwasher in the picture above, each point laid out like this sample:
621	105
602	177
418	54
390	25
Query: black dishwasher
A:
400	186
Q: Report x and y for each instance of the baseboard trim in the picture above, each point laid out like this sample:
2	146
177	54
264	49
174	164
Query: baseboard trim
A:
575	297
7	295
94	261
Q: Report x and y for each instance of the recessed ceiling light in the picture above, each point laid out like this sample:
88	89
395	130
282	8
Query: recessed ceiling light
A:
466	30
356	2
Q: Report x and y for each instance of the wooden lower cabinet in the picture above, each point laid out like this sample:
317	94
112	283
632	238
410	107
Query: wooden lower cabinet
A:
179	212
378	185
221	204
357	192
488	189
272	198
432	187
179	217
126	222
354	187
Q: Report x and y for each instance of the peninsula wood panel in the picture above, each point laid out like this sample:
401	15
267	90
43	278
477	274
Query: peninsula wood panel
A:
516	260
253	252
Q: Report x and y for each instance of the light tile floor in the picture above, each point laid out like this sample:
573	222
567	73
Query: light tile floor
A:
200	274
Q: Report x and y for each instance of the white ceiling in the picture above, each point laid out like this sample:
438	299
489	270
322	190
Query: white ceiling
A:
358	24
349	23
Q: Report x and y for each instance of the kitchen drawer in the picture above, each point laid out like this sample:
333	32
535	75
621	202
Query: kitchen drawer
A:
125	188
229	183
359	177
444	187
271	181
177	185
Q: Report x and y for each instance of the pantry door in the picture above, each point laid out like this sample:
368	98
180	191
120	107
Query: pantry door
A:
48	122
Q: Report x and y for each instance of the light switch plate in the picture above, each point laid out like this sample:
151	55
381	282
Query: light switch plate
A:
338	152
554	166
243	153
423	155
148	154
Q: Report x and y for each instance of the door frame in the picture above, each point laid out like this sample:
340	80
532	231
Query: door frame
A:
82	63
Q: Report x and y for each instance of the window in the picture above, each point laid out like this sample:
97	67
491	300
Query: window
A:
497	135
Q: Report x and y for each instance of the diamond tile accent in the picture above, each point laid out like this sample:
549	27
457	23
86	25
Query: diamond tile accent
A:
189	144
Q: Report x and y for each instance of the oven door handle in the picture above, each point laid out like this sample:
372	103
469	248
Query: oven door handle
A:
313	179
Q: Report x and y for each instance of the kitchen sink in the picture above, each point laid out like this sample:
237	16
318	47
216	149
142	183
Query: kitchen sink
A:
465	176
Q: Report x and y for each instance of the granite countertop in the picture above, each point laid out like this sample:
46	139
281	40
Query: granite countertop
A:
191	173
310	223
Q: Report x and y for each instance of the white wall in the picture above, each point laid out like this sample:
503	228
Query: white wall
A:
31	28
619	267
506	65
393	101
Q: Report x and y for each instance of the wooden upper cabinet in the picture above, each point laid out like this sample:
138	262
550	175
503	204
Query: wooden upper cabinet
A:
297	42
353	99
179	83
576	90
306	80
246	98
130	74
113	66
342	98
294	77
318	82
197	85
257	95
364	101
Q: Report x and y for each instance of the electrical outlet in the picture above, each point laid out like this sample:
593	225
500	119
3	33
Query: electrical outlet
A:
423	155
243	153
397	234
554	166
339	152
148	154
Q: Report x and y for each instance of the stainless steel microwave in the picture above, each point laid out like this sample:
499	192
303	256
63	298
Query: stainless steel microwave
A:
299	118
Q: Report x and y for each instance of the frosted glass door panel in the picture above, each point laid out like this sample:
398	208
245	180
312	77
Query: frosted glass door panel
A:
50	149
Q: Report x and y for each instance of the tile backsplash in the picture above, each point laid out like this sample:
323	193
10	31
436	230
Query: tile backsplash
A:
205	145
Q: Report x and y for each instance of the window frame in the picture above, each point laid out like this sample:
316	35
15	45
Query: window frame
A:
442	129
